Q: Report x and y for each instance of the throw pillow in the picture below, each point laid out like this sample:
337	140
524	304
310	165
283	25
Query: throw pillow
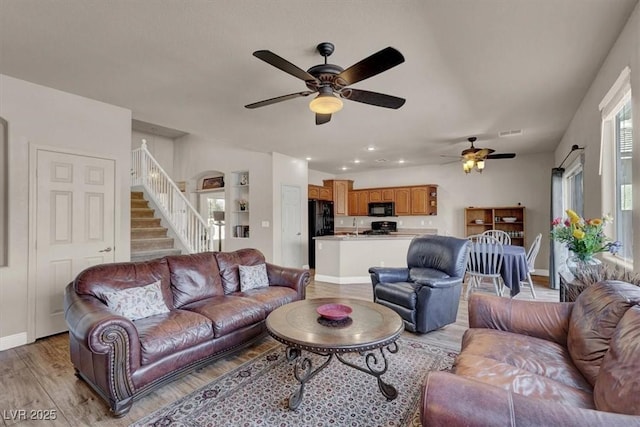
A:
253	276
137	303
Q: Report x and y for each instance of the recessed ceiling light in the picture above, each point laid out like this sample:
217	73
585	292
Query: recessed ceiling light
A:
356	161
344	168
401	161
308	159
371	148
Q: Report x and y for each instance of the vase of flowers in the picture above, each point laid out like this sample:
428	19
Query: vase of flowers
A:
242	203
584	238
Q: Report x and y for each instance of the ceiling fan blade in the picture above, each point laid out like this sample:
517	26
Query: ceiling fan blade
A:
322	118
281	63
278	99
501	156
373	98
370	66
482	153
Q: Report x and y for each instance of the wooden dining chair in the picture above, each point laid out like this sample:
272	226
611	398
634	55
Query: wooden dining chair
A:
484	262
531	259
502	236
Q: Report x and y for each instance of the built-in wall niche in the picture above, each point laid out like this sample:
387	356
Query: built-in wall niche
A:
4	191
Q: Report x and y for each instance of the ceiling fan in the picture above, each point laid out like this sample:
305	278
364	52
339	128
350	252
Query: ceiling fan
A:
329	80
474	158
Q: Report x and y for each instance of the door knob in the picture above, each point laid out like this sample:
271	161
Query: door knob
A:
106	250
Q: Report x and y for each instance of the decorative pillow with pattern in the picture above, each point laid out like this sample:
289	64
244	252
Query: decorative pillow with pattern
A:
137	303
253	276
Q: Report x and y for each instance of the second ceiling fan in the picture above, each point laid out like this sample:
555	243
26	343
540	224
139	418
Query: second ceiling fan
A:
329	80
474	158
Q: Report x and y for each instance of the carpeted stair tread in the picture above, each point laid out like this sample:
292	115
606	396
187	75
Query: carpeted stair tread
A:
147	255
145	222
151	244
142	213
148	232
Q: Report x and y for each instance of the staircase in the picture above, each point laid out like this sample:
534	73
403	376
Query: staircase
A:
148	238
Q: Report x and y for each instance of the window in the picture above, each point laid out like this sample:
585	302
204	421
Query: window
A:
616	161
573	188
623	184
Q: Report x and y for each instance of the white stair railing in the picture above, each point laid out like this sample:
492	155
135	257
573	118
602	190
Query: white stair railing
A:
185	221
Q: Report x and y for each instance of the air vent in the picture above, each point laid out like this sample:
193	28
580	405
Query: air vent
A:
381	160
507	133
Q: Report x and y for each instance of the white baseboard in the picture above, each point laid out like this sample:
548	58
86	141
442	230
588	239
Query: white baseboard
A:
342	280
11	341
540	273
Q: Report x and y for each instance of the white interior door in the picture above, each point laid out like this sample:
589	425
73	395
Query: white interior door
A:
291	227
75	213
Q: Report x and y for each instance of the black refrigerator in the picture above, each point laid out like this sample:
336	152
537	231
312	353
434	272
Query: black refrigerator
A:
320	224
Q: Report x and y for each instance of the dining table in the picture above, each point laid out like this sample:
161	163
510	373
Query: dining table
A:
514	267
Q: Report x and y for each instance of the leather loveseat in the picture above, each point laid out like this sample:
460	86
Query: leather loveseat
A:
426	293
544	364
204	315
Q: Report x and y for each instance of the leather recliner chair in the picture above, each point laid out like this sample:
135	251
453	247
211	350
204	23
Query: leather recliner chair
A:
426	293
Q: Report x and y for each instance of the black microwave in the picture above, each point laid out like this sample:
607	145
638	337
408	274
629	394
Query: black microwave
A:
382	209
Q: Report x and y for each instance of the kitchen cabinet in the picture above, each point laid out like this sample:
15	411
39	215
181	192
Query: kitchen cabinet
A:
402	197
318	192
359	202
381	195
424	200
341	189
480	219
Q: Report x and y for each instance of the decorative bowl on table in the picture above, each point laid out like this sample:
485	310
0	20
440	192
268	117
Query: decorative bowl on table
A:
334	311
509	219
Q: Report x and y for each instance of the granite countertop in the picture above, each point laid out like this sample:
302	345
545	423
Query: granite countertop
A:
368	237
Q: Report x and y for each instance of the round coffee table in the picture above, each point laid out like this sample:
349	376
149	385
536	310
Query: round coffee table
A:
369	329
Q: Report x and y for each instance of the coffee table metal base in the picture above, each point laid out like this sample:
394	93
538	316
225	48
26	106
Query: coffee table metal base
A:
304	370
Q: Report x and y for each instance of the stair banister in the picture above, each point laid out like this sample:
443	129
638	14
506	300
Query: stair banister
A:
184	219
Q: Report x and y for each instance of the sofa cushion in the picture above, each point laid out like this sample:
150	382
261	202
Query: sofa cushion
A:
270	297
97	279
529	355
137	303
229	313
617	387
594	318
168	333
228	263
253	276
194	277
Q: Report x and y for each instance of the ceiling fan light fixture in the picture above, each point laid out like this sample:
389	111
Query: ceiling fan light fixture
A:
480	165
325	103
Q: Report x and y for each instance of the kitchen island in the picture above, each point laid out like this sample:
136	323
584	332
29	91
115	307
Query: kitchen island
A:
346	259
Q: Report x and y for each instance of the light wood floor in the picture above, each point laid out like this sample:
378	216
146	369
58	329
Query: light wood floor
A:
40	376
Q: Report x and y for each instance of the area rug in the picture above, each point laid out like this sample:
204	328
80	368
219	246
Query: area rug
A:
257	393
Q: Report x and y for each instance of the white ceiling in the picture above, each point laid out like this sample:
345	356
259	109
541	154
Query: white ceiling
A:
473	68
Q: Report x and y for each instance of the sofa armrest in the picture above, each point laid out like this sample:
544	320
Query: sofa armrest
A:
446	282
294	278
388	274
451	400
545	320
102	332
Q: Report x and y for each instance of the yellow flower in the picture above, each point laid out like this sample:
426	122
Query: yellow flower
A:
573	217
578	234
596	222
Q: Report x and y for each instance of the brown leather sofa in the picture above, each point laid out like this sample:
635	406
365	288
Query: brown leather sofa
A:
208	317
544	364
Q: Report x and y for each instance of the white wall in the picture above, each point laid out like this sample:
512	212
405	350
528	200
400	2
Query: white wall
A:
525	180
584	129
44	116
196	153
289	171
